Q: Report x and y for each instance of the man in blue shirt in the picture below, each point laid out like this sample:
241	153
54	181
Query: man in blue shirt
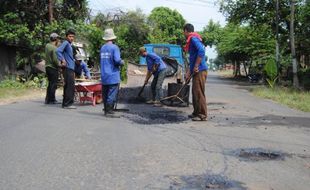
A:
110	62
157	67
198	69
65	56
81	67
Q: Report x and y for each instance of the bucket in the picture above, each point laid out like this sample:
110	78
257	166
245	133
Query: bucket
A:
173	89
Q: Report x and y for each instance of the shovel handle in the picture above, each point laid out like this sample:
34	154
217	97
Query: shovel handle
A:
141	90
186	83
179	91
148	78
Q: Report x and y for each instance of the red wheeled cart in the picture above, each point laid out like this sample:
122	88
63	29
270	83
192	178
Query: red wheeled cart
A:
89	91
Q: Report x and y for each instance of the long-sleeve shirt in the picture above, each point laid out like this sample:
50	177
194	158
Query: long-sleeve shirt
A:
65	52
82	67
50	56
110	61
196	48
153	59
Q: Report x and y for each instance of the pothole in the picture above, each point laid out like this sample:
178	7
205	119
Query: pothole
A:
157	117
204	181
258	154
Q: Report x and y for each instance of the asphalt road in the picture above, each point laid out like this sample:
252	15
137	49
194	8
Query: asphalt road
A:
46	147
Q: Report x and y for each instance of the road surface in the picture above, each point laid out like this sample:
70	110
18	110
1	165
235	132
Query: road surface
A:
247	143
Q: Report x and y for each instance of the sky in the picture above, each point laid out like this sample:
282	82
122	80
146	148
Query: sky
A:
196	12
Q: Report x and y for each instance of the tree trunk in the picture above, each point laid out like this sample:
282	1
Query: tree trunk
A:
245	70
50	11
250	67
277	37
7	61
238	68
235	68
293	51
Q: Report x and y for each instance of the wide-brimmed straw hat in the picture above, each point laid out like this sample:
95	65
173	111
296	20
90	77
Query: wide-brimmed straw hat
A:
109	34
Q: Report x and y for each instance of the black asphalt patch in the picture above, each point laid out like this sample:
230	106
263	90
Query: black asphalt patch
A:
135	100
204	181
258	154
159	116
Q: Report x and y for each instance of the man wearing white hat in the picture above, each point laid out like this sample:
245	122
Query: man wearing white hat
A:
81	67
110	62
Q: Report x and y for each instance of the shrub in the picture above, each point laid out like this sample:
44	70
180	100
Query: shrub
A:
271	71
124	72
9	83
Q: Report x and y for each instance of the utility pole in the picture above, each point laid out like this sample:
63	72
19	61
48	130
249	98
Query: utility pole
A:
277	38
50	11
293	51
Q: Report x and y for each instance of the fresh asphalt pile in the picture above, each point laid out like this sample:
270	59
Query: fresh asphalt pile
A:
139	111
150	115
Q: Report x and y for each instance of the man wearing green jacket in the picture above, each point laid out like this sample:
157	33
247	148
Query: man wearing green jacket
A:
52	65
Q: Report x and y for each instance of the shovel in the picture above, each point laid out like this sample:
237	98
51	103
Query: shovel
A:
147	80
115	107
141	90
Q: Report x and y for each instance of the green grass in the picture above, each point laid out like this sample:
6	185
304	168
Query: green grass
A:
226	73
9	95
295	99
11	92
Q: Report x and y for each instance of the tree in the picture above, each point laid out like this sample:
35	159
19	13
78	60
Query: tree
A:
212	33
292	40
262	12
130	28
244	44
302	31
231	47
166	26
73	10
92	36
132	33
25	24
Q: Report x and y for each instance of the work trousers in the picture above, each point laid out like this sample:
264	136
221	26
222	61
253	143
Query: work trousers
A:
52	77
69	88
157	83
109	95
198	94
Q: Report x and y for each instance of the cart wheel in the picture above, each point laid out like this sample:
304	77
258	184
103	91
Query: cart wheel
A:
98	99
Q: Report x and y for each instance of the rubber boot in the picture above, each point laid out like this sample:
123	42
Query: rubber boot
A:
108	109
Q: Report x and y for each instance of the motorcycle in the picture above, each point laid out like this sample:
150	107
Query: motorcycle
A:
255	78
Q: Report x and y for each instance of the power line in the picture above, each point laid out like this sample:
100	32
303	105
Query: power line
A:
207	2
202	3
105	6
98	2
194	4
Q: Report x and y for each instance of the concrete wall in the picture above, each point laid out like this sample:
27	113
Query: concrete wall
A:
7	60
